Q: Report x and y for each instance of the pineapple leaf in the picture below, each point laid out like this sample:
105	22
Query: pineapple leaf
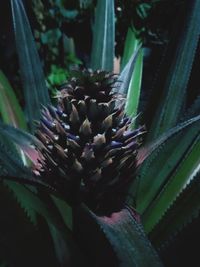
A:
10	109
187	207
146	152
132	86
17	135
103	36
121	239
61	249
169	149
20	239
65	211
35	90
133	95
125	76
174	184
10	161
23	139
172	100
32	200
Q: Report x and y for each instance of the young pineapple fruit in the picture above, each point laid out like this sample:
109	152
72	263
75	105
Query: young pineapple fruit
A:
90	150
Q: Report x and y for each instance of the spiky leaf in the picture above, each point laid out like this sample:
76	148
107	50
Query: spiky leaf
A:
35	90
121	239
169	150
186	206
173	97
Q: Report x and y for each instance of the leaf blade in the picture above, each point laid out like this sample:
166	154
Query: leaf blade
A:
173	97
10	109
35	90
173	187
103	37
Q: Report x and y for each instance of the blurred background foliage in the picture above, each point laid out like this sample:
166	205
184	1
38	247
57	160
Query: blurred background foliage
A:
63	34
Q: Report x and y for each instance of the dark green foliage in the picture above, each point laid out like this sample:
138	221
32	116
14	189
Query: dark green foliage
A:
173	96
35	90
23	244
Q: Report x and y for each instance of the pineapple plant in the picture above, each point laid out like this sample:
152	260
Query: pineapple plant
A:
88	148
92	174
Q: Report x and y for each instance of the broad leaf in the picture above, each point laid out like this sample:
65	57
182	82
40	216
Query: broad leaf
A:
103	36
35	90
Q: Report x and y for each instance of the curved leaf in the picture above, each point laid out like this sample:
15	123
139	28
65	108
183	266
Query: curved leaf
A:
133	85
124	79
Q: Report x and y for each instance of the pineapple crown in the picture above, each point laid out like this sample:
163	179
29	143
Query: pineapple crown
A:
89	151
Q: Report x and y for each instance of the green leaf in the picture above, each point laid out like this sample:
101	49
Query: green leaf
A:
16	230
61	249
35	90
10	161
173	97
131	76
103	36
133	95
160	160
65	211
186	206
26	144
10	109
34	204
175	183
127	74
31	200
23	139
51	37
